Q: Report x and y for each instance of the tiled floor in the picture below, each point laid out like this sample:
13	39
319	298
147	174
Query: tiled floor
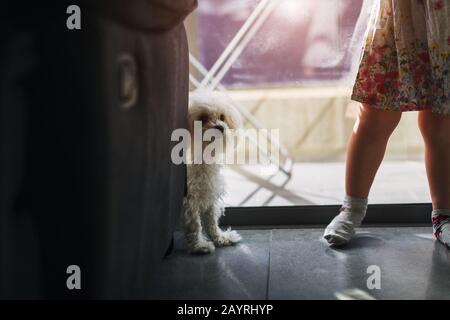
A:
323	184
297	264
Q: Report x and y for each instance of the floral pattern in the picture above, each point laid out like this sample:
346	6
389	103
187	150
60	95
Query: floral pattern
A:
406	59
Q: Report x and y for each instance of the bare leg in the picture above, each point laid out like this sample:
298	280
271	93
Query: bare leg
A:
367	148
365	153
218	236
436	134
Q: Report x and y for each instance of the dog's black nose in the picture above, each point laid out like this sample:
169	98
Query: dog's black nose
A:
220	128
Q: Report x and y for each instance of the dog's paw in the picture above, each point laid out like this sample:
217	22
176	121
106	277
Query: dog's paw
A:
202	247
227	238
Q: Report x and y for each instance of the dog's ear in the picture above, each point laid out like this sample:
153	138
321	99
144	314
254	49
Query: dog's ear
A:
194	109
190	119
233	117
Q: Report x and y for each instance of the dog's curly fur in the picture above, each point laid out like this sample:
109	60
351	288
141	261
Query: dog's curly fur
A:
203	205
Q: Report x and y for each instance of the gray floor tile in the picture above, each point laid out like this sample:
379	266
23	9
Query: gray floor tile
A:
239	272
302	266
412	264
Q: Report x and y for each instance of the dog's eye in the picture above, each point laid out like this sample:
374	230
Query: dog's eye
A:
203	117
222	117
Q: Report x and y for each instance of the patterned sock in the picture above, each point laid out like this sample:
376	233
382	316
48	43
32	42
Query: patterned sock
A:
342	228
441	225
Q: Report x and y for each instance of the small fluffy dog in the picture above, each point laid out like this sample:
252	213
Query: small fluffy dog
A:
203	205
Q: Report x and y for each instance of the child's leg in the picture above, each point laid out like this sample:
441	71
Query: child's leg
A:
367	148
436	134
365	153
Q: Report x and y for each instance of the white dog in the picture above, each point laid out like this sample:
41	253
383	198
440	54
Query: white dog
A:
203	205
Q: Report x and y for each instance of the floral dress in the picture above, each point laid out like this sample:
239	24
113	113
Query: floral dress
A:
405	64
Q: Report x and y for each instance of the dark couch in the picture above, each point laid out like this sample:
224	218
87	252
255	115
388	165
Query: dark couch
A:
86	119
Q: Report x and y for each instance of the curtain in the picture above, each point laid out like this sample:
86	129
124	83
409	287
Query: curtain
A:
367	18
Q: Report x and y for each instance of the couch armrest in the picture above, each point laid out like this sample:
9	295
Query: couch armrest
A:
146	14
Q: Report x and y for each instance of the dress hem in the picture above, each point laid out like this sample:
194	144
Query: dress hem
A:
360	99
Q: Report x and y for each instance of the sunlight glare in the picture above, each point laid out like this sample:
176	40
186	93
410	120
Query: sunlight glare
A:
293	10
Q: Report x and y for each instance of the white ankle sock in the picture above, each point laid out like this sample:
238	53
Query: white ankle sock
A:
441	225
342	228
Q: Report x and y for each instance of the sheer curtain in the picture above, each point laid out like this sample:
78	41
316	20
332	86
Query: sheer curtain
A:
367	18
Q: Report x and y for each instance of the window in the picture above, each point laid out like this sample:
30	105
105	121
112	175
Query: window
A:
301	42
291	72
